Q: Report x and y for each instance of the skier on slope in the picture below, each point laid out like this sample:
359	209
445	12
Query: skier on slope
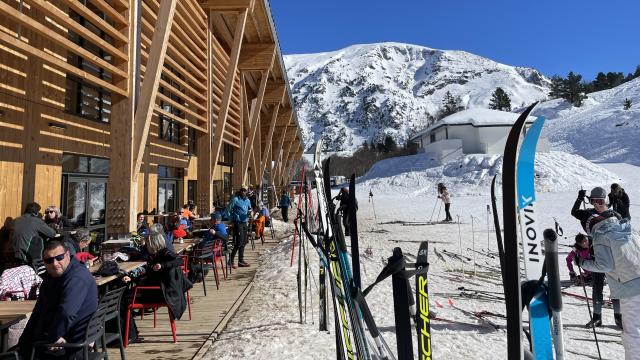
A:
443	194
617	254
619	200
580	248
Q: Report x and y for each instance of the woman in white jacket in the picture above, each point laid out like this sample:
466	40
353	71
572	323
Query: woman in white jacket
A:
443	195
617	254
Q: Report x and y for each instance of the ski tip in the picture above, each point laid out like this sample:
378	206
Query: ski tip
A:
450	300
438	304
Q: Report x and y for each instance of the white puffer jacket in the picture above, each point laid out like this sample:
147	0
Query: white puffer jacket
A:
617	254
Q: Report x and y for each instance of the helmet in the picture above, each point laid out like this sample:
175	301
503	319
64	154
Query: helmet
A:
598	193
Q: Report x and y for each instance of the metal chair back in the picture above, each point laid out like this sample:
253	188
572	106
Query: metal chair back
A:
111	303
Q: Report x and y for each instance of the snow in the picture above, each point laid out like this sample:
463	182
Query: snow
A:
365	92
600	130
476	117
267	324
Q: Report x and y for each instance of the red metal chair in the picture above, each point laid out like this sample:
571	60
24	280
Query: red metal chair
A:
185	271
218	257
147	305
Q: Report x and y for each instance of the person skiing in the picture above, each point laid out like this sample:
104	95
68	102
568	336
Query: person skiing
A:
580	248
605	245
443	195
619	201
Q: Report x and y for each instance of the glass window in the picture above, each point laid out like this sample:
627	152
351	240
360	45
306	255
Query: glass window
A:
192	191
169	172
191	141
76	203
97	203
84	164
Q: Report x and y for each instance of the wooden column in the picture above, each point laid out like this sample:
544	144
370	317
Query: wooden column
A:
204	140
228	88
268	141
256	105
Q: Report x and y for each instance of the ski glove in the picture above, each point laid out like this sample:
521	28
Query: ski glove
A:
581	194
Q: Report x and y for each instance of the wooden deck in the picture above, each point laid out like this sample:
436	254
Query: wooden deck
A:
210	315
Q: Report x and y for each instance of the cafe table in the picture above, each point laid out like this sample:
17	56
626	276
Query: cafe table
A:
12	312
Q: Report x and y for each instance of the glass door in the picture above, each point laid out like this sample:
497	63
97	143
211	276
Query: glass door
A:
85	204
167	196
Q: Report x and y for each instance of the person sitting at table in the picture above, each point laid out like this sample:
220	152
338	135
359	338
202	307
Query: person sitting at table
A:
68	298
163	269
142	227
55	220
79	245
187	213
29	234
217	231
157	229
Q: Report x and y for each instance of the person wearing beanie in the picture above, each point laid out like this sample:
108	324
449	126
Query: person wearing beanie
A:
619	201
588	218
617	254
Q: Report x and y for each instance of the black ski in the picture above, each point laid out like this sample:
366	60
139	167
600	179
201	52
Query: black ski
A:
353	229
423	325
496	225
511	269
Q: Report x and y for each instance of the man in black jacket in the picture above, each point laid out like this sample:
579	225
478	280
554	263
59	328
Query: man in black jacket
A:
68	298
619	200
29	233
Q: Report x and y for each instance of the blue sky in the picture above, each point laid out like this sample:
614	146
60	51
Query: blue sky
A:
553	36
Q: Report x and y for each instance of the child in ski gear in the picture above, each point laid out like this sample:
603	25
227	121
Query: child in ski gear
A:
617	254
443	194
581	249
619	201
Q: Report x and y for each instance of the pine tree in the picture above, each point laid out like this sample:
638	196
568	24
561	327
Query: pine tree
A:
557	87
615	79
636	74
389	144
450	105
574	89
365	145
500	100
627	104
601	82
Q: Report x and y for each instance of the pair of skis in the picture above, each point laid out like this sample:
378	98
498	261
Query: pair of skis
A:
518	208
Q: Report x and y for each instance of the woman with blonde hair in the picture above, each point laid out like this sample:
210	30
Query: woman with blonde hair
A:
55	220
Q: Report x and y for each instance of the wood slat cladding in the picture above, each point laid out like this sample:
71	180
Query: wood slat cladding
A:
72	75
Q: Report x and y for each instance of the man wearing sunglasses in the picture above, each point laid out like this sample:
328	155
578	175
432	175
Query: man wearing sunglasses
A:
67	300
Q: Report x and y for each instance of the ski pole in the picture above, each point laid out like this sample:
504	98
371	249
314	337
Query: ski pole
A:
554	292
488	229
593	325
473	245
439	209
434	210
460	243
373	206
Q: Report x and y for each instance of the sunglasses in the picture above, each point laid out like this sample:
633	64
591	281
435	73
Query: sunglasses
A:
50	260
49	211
597	201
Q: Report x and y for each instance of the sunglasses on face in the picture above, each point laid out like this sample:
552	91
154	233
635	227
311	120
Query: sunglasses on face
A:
597	201
49	211
50	260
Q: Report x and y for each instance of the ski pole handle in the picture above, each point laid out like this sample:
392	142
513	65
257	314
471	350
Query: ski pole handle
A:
553	273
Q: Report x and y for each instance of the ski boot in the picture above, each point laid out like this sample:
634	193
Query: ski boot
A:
618	319
595	321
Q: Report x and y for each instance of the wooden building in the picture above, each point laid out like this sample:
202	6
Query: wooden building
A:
113	107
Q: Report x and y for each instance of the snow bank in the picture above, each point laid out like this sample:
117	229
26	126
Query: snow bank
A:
471	174
600	130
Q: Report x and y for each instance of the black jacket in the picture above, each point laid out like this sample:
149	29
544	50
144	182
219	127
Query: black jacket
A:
620	203
589	217
171	279
29	234
64	307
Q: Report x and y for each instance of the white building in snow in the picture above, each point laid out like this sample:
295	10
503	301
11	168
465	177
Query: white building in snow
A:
474	131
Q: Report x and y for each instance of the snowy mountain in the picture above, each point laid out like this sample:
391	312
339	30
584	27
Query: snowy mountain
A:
600	130
365	92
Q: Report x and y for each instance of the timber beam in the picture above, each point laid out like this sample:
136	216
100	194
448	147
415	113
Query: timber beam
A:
275	93
254	117
228	5
257	57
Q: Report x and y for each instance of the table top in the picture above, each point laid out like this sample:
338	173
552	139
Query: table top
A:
206	218
126	266
186	246
13	311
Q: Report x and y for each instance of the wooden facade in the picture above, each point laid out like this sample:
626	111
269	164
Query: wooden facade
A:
113	107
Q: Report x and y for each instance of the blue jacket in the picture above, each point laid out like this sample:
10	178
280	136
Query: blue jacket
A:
285	202
617	254
239	209
64	307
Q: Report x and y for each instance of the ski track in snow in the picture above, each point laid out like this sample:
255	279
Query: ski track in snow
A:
267	324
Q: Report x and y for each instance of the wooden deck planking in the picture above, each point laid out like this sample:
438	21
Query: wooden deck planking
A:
207	313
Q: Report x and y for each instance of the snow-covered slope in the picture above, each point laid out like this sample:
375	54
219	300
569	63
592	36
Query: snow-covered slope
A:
364	92
600	130
471	174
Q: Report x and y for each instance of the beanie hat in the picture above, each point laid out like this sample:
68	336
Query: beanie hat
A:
598	193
